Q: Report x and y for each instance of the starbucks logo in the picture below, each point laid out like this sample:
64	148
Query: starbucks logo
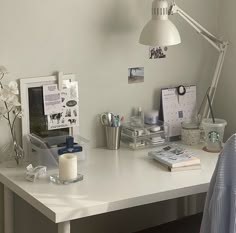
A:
214	136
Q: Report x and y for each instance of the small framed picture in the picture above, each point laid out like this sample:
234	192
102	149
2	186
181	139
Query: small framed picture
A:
135	75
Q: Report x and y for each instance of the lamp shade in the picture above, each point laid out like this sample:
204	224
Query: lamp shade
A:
159	31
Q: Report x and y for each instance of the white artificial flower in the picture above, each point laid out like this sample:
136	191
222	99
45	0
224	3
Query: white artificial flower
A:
13	87
7	96
3	70
3	110
20	115
13	100
4	94
18	112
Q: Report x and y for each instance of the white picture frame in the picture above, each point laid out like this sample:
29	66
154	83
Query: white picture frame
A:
25	84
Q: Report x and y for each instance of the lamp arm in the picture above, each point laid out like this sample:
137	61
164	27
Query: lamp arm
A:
215	81
219	45
212	39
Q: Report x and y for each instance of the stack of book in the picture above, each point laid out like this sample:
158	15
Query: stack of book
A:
176	159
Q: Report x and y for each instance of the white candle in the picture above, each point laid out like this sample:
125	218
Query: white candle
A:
67	167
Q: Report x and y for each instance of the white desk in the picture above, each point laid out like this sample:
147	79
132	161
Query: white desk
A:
113	180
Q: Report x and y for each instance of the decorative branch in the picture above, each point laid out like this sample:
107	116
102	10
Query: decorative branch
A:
5	117
13	122
2	77
9	99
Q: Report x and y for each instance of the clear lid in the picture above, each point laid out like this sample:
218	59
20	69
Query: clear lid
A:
189	125
208	122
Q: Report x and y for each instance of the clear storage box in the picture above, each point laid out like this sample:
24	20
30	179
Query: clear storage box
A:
45	151
143	136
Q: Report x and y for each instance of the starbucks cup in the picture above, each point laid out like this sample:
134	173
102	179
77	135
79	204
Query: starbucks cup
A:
214	133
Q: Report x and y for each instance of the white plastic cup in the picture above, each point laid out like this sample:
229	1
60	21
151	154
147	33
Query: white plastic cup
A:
214	134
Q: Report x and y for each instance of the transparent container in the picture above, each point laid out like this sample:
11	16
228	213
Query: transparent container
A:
44	152
144	136
213	134
190	133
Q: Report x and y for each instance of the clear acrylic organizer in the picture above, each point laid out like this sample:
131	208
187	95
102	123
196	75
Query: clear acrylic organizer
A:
45	151
144	136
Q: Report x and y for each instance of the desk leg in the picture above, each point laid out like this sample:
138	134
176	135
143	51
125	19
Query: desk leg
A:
64	227
8	210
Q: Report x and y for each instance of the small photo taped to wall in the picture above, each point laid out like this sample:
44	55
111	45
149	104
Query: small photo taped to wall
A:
135	75
157	52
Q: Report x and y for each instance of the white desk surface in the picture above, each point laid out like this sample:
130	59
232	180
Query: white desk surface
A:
113	180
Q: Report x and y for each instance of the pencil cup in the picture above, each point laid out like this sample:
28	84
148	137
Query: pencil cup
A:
214	133
113	137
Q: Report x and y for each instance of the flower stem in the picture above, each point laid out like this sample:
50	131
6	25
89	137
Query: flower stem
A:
8	118
11	122
2	76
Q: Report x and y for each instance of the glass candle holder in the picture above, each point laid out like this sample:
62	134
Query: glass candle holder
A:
190	133
67	170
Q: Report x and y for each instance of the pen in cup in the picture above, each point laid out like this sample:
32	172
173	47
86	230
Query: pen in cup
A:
111	119
112	124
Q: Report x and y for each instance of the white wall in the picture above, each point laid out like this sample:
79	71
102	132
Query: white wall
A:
226	95
98	40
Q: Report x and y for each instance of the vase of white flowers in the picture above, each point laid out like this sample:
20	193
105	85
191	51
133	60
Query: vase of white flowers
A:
10	110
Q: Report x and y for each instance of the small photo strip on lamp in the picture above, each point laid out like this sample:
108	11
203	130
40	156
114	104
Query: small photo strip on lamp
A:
157	52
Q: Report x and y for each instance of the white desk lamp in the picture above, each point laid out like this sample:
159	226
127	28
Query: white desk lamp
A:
160	31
